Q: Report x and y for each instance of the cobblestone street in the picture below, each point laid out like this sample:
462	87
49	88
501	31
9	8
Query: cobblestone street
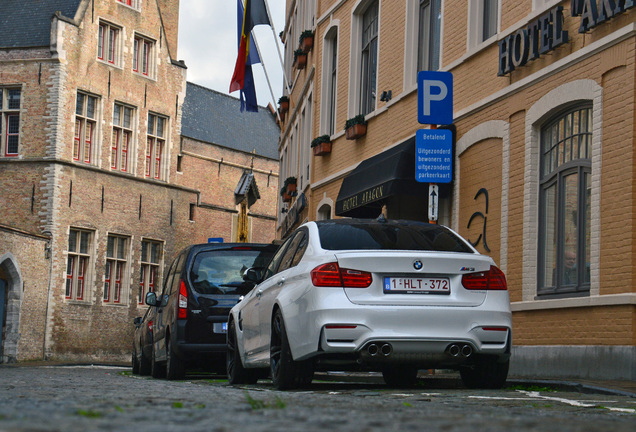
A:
106	398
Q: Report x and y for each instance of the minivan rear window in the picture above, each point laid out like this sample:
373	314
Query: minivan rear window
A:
221	271
392	235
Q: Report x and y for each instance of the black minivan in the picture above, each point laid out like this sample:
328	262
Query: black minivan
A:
203	283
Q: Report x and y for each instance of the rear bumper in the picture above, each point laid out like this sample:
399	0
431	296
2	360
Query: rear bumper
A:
421	335
186	348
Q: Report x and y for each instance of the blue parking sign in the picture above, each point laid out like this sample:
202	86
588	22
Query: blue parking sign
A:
435	97
434	156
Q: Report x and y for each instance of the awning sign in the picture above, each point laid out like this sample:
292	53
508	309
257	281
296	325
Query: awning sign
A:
434	156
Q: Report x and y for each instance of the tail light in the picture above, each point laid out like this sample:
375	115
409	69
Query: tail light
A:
183	301
331	275
150	326
494	279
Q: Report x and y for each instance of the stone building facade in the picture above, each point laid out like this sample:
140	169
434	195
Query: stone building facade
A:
543	151
99	189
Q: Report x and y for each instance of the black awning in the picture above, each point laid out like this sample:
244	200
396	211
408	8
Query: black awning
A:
390	173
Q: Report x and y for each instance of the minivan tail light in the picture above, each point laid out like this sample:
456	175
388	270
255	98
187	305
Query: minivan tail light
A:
183	301
331	275
494	279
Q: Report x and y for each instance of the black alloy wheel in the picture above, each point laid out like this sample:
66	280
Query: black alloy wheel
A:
144	365
236	372
135	363
284	370
156	370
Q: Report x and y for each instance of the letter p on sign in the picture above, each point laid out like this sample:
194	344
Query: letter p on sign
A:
435	97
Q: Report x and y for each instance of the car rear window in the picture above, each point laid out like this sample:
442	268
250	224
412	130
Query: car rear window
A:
349	235
221	271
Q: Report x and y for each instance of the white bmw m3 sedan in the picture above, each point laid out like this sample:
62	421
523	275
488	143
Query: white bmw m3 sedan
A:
372	295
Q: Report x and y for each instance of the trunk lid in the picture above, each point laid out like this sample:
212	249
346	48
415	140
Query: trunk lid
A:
437	269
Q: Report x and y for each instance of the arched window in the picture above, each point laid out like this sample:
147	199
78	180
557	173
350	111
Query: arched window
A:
564	227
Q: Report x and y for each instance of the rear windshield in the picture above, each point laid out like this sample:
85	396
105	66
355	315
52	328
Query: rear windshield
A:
221	271
389	236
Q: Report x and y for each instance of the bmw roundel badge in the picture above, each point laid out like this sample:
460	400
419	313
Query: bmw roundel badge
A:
417	265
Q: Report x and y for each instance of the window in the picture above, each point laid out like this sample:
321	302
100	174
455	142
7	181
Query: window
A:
143	56
108	42
155	145
85	126
429	35
369	64
78	263
489	19
330	66
150	257
132	3
565	213
116	268
10	120
483	18
122	137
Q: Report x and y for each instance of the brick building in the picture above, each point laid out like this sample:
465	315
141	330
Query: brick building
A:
543	151
99	187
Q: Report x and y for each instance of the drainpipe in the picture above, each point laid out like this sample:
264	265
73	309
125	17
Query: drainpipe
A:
49	256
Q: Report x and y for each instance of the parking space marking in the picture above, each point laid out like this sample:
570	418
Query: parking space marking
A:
576	403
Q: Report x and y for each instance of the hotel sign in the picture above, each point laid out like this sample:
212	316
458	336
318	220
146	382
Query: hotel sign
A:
365	197
546	33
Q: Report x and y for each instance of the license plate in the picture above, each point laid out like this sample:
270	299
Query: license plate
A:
219	327
410	285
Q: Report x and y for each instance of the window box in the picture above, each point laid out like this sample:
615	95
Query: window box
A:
283	103
300	59
306	41
283	193
290	186
322	145
356	127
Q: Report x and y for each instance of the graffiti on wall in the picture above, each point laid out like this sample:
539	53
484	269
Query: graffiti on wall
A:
484	216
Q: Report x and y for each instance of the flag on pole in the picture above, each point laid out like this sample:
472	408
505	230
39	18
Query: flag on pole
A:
255	13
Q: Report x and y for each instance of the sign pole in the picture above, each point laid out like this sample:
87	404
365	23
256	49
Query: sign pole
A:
433	195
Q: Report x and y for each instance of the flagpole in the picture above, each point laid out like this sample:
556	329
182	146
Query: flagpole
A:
280	57
267	78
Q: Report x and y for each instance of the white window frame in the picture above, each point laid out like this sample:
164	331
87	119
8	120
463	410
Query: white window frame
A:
117	269
144	56
122	145
109	43
328	109
149	268
355	66
83	120
79	264
7	114
476	24
156	148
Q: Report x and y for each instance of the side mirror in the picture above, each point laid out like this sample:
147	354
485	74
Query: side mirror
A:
164	300
253	275
137	321
151	299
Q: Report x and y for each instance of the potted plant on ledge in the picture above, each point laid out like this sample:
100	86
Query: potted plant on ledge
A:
306	41
283	103
321	145
285	195
356	127
290	186
300	59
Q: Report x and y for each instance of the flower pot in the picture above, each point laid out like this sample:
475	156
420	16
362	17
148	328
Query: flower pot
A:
281	113
301	61
286	197
284	106
291	189
322	149
356	131
308	44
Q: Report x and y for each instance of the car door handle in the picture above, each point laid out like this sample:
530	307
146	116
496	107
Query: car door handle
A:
281	281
